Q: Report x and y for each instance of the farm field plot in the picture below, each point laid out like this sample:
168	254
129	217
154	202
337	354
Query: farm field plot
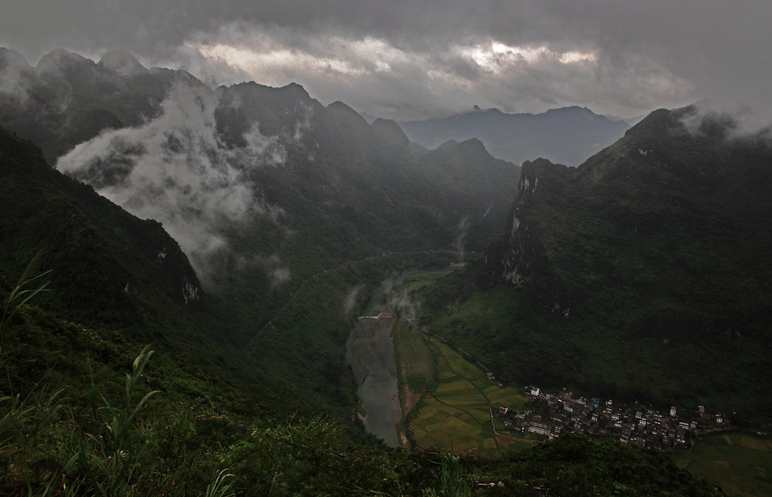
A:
738	462
415	370
503	397
417	281
456	416
414	359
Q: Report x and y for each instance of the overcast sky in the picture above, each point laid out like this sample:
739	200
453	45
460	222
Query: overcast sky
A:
413	59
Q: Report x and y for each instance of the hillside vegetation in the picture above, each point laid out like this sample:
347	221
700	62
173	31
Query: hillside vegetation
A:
639	275
96	422
266	191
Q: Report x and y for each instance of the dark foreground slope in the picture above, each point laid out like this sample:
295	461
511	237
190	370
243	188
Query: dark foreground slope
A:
644	273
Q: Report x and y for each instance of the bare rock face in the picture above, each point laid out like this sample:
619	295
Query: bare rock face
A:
520	256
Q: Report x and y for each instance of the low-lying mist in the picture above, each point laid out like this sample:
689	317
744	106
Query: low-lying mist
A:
177	170
707	118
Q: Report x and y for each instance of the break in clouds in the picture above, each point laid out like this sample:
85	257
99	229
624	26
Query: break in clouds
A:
176	169
383	79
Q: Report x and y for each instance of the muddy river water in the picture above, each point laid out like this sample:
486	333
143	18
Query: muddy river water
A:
370	351
371	355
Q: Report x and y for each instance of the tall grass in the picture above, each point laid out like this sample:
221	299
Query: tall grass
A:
453	481
110	456
48	447
20	296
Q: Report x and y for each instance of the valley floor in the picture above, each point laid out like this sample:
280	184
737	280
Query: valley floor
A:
451	403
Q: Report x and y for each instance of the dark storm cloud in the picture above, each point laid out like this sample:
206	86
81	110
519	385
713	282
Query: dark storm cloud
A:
418	58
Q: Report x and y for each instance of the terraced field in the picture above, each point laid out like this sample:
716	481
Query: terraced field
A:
456	416
740	463
419	280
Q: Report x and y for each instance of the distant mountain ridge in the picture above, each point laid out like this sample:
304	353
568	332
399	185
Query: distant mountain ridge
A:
68	98
567	135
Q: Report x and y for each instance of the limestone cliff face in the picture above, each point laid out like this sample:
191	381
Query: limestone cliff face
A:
509	260
657	222
520	256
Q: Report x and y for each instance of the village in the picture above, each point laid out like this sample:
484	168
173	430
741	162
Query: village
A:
549	415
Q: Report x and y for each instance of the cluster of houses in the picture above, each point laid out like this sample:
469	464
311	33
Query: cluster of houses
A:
553	414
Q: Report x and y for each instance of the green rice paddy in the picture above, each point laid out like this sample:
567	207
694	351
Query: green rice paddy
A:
740	463
456	416
418	281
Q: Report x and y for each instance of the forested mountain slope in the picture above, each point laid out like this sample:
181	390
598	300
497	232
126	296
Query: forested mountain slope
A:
265	190
108	267
643	273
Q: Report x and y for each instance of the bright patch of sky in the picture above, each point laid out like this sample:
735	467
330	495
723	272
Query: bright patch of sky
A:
496	56
370	54
263	64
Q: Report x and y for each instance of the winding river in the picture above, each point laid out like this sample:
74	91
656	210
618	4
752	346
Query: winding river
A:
370	351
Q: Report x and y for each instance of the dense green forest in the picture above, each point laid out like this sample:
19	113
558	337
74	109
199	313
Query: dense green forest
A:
638	276
89	409
82	418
